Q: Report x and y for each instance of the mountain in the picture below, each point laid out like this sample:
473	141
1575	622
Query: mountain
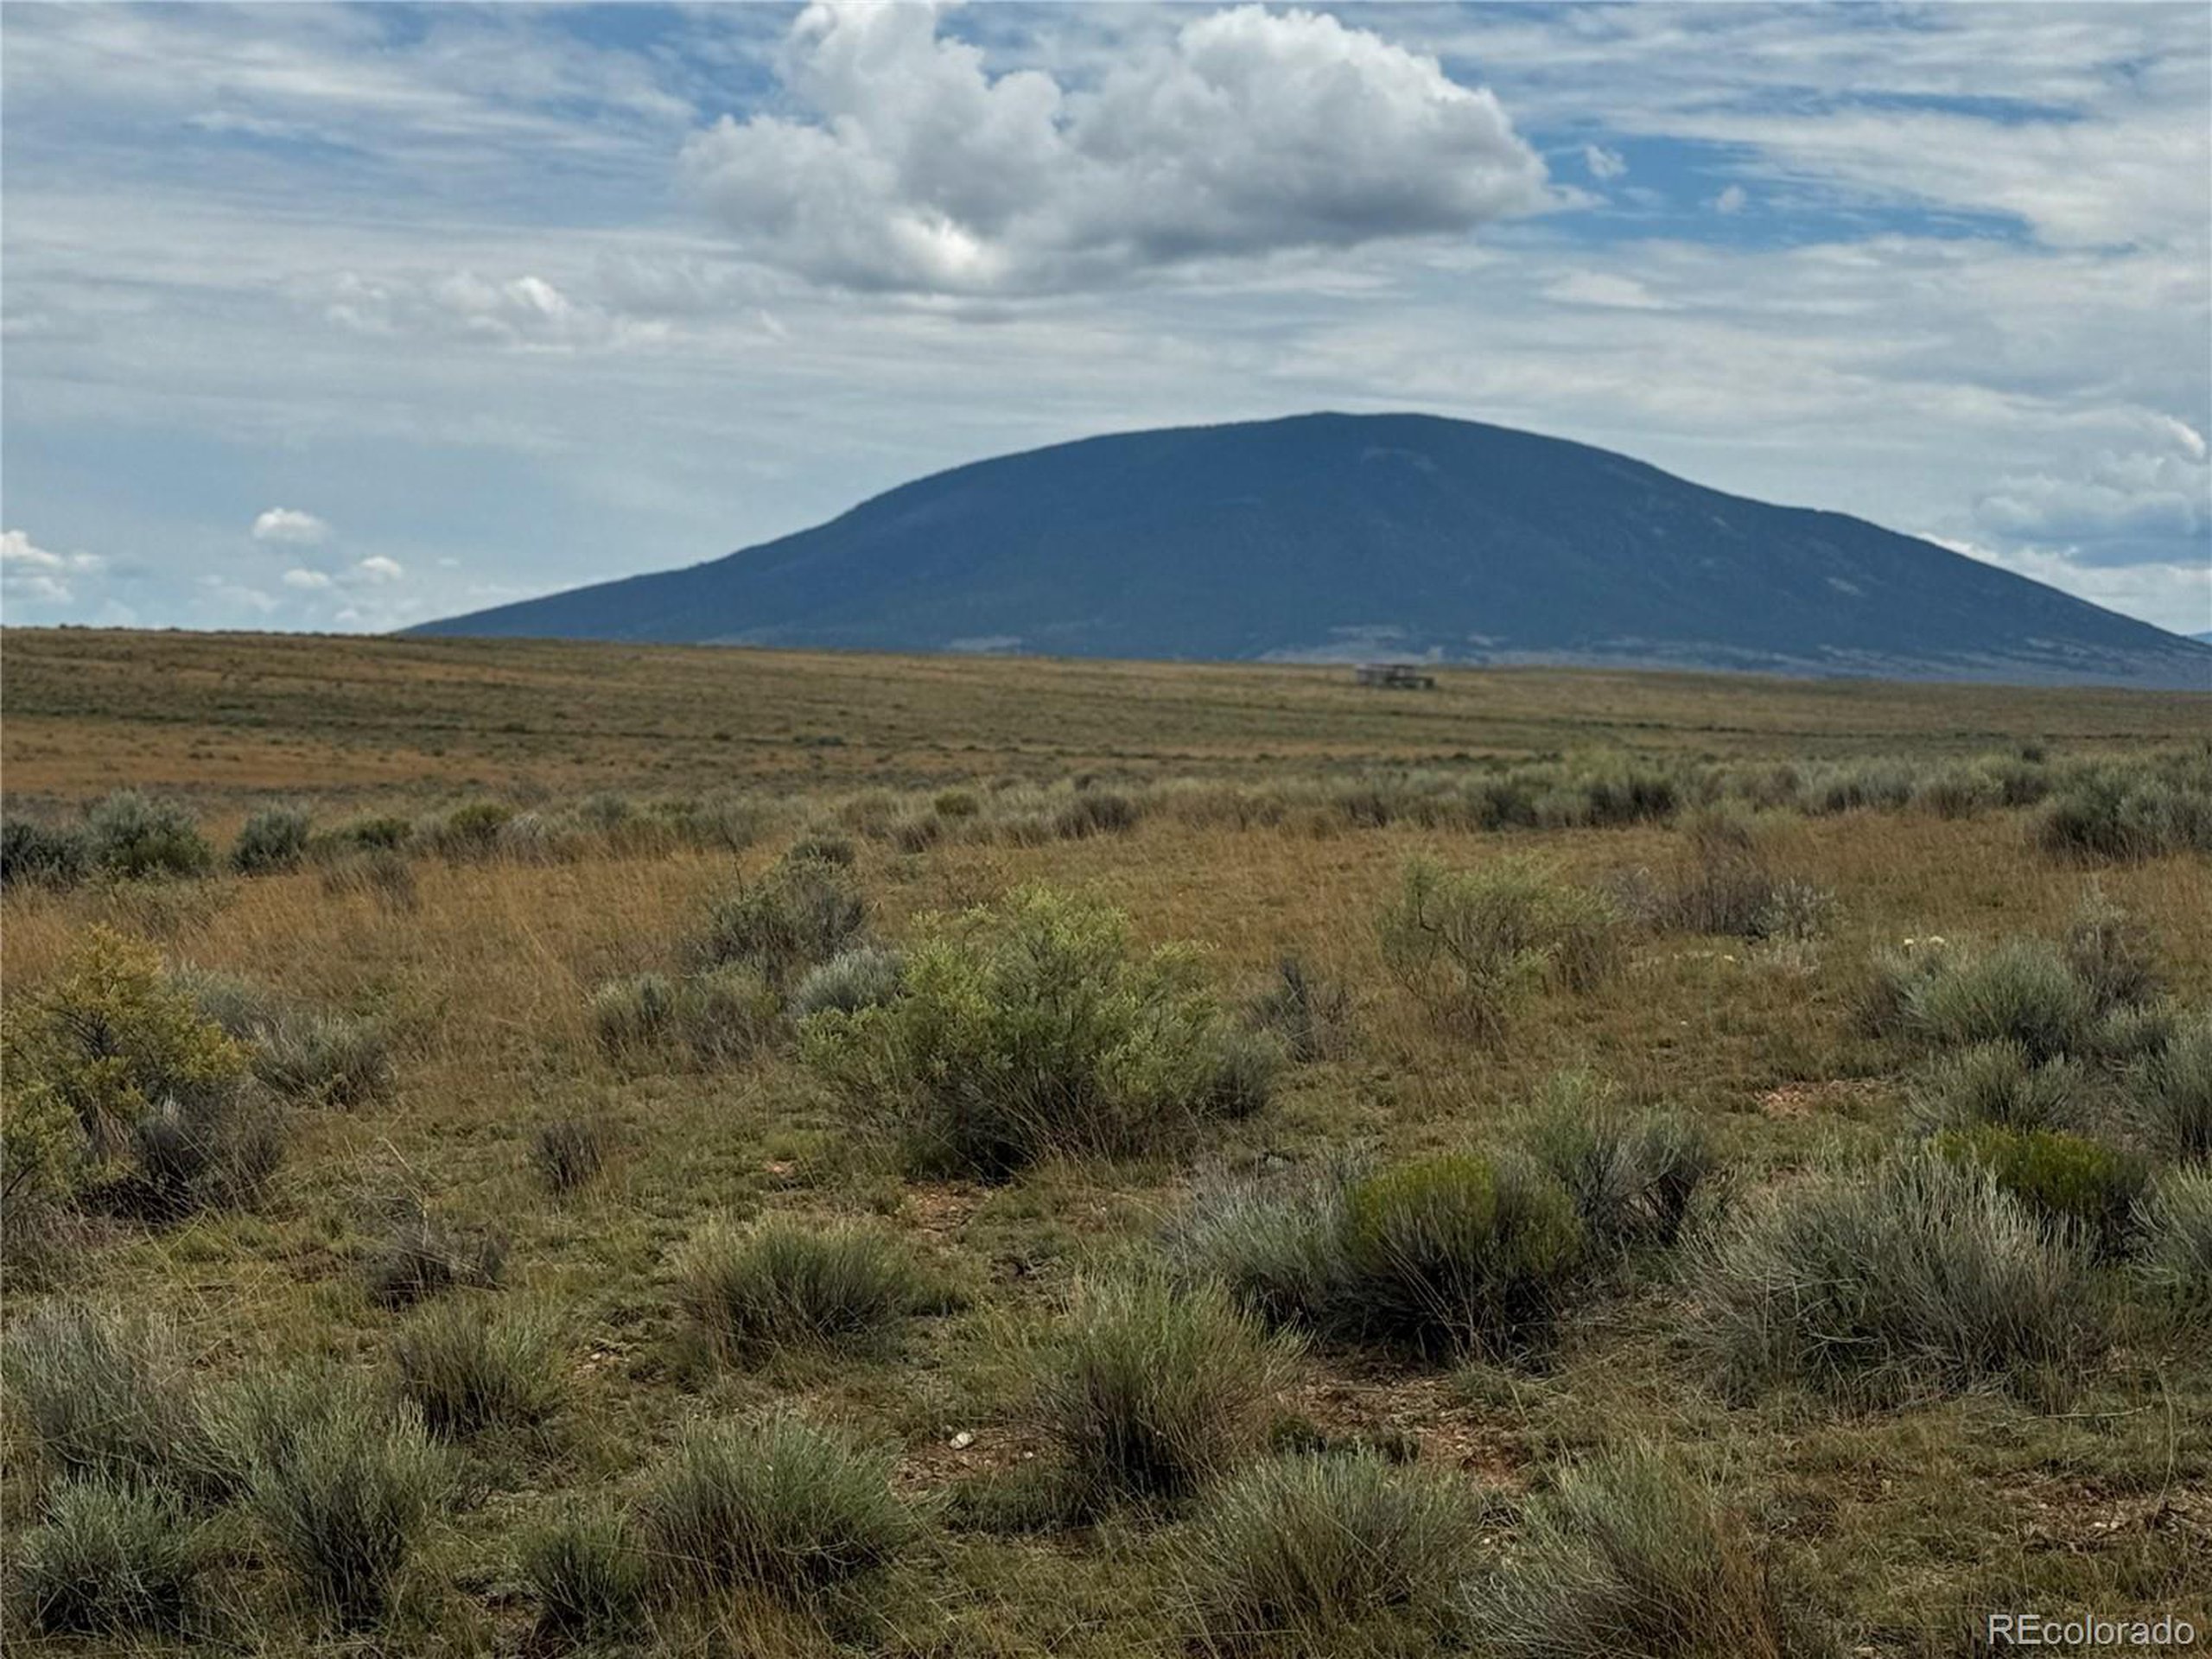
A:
1333	536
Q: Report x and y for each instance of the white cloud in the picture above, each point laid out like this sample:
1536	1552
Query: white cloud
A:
524	313
1245	133
1604	164
1730	200
308	580
376	567
2121	508
29	574
1603	288
290	527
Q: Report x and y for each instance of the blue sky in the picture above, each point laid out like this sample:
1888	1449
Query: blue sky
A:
328	317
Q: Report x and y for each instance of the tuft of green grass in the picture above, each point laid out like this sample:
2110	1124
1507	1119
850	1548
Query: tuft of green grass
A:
344	1499
1150	1388
468	1369
861	976
587	1573
778	1506
1997	1084
419	1254
570	1150
1331	1554
2173	1093
2070	1180
110	1397
785	1284
1628	1554
272	841
1631	1176
111	1558
2174	1237
2019	991
1924	1278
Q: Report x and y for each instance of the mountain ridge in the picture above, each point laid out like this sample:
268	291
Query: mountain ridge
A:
1332	536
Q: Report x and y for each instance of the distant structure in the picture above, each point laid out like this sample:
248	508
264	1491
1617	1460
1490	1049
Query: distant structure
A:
1394	676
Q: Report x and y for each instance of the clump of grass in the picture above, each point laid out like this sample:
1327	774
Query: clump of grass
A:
1721	882
135	836
272	841
570	1150
2174	1234
1460	1252
383	872
782	1284
469	832
2173	1093
109	1397
1151	1389
33	853
1924	1278
778	1507
213	1147
1630	1554
803	912
1095	812
1998	1084
419	1254
2021	991
468	1370
1278	1248
2112	953
1308	1014
1473	943
111	1558
1631	1176
345	1499
2107	816
2068	1179
1035	1028
324	1059
862	976
1313	1554
629	1015
587	1573
717	1014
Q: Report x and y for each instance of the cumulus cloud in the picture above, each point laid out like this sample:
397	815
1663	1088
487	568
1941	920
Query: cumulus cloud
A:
376	567
526	313
290	527
30	575
2122	508
306	581
1244	133
1730	200
1604	164
1605	288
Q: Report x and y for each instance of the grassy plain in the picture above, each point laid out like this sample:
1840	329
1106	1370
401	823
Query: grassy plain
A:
1895	1529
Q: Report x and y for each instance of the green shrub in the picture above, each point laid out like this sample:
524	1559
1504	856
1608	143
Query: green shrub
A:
324	1059
2066	1178
112	1396
371	832
1925	1277
778	1507
863	976
345	1501
2173	1093
803	912
586	1572
2106	817
104	1044
2174	1237
955	804
1628	1554
468	1369
210	1148
917	832
1631	1177
1472	943
786	1284
727	1015
111	1558
821	845
1298	1553
1998	1084
571	1150
2020	991
2112	953
273	839
131	835
42	854
1460	1253
1955	793
629	1015
1308	1014
1095	812
471	831
1884	1003
419	1254
1035	1028
1151	1389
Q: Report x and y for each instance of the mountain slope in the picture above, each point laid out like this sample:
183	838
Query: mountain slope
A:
1329	537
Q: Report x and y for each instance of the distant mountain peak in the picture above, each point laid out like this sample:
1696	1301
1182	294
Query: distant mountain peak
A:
1333	536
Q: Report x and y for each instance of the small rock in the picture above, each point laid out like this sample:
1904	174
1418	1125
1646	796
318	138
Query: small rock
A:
962	1441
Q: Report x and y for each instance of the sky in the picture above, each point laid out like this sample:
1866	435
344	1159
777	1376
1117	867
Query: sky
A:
336	318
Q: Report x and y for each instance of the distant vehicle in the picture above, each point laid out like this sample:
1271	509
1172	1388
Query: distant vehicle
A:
1396	676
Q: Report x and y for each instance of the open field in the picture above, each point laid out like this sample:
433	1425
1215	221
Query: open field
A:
526	1058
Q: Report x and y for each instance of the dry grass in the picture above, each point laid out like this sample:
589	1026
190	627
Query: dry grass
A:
1893	1527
